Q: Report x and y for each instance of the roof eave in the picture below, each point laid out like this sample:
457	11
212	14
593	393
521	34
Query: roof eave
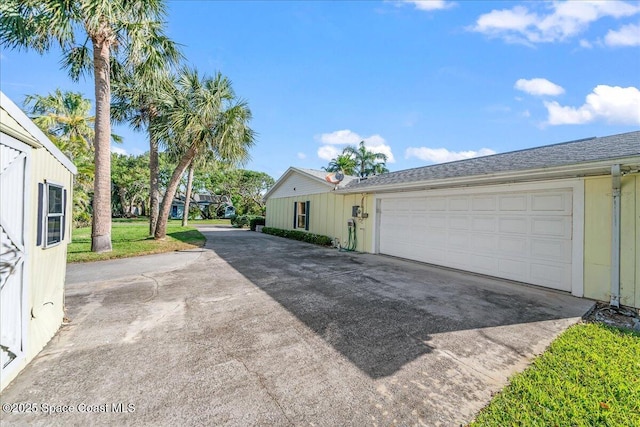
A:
290	172
560	172
24	121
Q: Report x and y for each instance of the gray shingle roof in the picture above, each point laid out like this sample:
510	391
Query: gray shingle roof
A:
564	154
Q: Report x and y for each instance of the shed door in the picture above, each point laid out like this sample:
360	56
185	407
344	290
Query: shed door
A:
13	163
524	236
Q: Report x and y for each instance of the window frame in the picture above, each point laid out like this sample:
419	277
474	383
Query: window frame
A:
298	207
46	214
302	207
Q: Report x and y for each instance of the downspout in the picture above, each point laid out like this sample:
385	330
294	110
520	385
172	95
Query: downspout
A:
615	237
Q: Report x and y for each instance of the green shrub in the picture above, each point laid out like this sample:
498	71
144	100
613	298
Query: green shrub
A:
240	221
303	236
254	221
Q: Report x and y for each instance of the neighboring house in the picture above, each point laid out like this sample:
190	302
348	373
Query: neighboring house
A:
557	216
36	182
222	204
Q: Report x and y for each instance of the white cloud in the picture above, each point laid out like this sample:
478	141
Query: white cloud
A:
612	104
586	44
301	155
539	87
118	150
328	152
549	21
628	35
429	4
375	143
442	155
340	137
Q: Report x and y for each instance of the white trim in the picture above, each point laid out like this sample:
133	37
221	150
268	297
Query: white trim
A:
17	364
576	185
597	168
23	120
577	250
45	214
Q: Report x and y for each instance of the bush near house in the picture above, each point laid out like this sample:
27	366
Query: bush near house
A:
255	221
239	221
317	239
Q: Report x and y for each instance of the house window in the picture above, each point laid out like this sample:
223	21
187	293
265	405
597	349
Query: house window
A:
51	218
301	215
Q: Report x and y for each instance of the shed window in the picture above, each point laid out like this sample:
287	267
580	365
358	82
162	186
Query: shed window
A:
52	202
301	215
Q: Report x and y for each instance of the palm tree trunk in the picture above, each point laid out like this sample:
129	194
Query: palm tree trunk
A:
154	192
165	206
101	221
187	198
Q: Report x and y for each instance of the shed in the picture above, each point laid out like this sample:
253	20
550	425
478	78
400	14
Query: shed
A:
563	216
36	183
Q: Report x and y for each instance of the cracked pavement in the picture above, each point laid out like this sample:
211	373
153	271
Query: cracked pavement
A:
259	330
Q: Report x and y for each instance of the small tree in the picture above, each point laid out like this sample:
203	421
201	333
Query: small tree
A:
201	114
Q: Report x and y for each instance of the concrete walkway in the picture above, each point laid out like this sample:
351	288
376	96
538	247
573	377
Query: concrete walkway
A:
260	330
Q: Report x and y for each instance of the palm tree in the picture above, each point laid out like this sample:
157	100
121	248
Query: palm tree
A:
113	30
367	162
66	118
200	115
343	162
135	98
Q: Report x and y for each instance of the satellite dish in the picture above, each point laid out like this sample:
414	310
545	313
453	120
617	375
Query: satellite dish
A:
334	178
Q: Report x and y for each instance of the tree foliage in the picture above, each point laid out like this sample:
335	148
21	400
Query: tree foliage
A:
358	161
95	36
130	183
198	115
67	120
246	188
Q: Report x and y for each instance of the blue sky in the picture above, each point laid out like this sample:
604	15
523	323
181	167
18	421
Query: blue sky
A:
423	82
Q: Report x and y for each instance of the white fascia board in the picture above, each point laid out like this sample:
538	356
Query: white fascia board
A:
24	121
559	172
290	172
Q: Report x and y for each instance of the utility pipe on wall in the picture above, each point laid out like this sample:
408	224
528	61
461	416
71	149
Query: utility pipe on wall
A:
615	237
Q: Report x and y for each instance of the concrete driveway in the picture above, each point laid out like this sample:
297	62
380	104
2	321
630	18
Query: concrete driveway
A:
260	330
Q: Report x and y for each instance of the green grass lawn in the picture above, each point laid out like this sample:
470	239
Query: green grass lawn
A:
589	376
130	237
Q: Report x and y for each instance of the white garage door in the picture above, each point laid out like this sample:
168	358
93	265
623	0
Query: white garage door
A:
524	236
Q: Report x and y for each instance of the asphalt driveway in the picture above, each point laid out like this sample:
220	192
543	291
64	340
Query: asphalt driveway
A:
260	330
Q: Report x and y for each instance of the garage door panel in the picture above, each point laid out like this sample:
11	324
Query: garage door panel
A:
484	223
437	221
459	204
483	203
437	204
514	225
551	226
513	246
553	203
459	222
484	264
552	275
555	250
513	269
484	243
458	239
524	236
513	203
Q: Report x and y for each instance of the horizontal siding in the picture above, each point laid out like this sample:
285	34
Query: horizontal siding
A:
299	185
